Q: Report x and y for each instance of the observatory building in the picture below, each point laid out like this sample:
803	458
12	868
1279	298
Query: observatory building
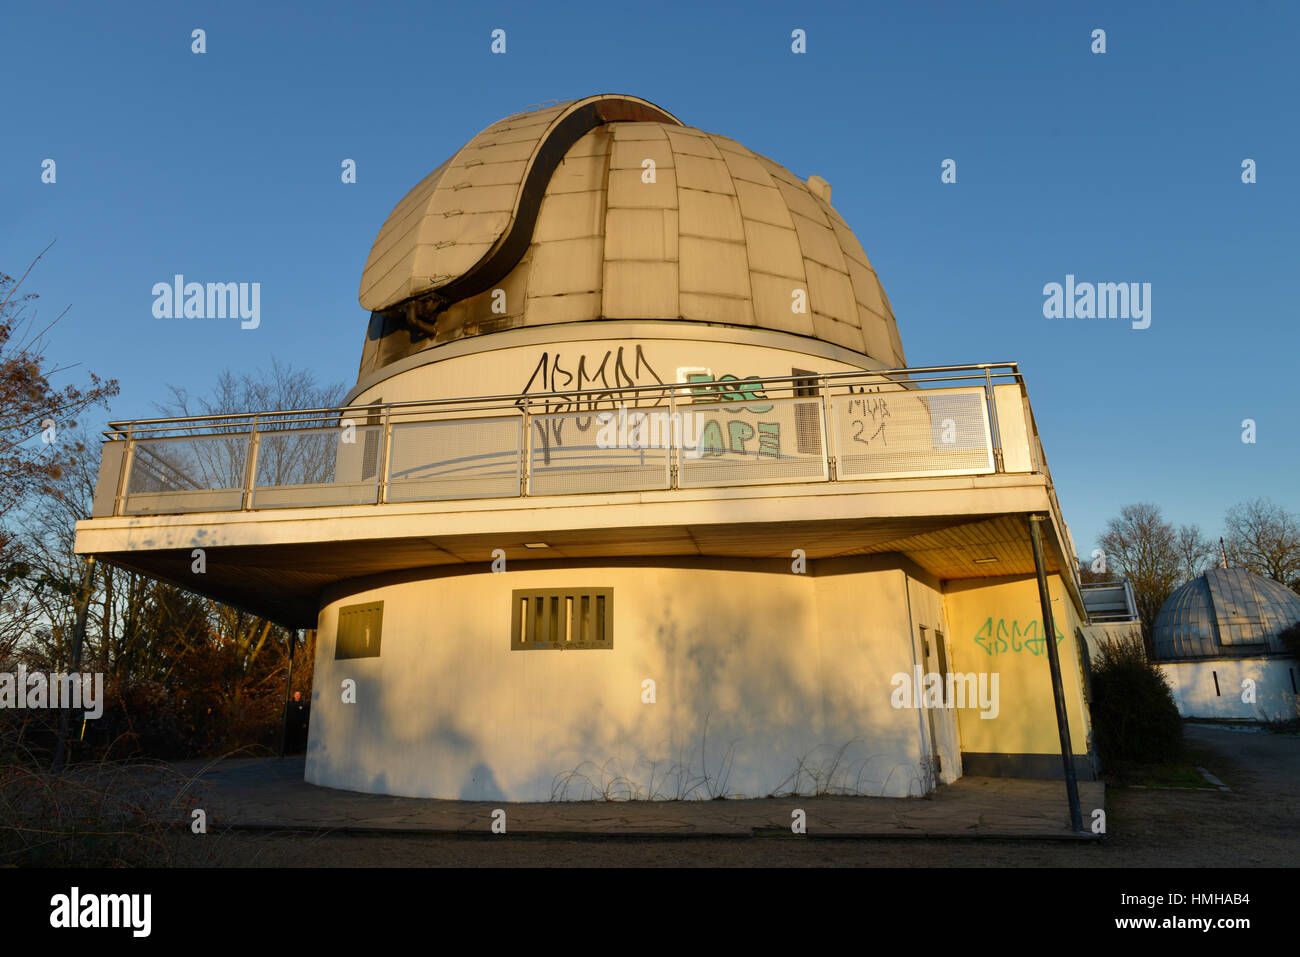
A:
635	497
1216	639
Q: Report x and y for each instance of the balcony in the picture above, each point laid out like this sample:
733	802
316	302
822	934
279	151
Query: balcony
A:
970	420
862	456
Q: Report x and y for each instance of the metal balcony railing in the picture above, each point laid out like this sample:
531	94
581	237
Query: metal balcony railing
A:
858	426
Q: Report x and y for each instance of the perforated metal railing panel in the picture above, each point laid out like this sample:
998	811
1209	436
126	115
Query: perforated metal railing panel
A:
710	435
187	474
462	458
900	432
752	443
600	452
306	467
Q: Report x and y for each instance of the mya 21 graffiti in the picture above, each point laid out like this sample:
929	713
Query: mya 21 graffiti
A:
999	638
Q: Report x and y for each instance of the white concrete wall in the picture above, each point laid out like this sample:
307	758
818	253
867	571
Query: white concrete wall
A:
603	363
767	682
1193	684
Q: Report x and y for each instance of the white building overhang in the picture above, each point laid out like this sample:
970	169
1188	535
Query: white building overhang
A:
286	504
277	564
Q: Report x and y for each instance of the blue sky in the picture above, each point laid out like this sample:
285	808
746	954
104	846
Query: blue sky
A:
1124	166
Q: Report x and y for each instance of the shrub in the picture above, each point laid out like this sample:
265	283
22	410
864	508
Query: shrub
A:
103	814
140	719
1134	717
1290	638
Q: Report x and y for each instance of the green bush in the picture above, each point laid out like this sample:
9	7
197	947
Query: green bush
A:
1134	717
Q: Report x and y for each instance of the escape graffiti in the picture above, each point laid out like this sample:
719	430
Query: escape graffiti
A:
997	639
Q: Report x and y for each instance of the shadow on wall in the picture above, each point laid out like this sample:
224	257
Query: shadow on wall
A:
748	704
482	785
748	716
849	770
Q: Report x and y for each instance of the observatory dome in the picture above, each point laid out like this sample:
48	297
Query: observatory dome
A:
1225	613
609	208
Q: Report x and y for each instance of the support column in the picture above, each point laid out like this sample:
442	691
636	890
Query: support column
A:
288	691
1054	663
74	666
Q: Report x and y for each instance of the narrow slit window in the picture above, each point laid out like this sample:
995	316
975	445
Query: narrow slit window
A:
564	618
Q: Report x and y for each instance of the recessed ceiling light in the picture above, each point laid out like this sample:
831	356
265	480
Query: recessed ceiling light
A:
985	561
536	545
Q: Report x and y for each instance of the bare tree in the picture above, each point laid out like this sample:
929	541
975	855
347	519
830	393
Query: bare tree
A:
1144	548
1265	538
33	410
224	667
1093	570
287	454
1195	551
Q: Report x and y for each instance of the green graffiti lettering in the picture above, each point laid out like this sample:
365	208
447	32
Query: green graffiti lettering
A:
738	433
711	438
993	638
701	393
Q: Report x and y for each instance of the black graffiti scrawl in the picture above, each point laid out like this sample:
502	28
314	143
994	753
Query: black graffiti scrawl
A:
618	367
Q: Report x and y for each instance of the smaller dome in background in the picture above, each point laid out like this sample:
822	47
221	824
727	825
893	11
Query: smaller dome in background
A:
1225	613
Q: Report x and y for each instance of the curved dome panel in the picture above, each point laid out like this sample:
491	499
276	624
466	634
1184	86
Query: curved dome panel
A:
466	209
1224	613
639	217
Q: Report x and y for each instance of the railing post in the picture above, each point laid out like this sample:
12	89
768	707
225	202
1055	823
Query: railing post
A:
385	454
250	468
526	451
996	437
124	473
677	435
828	416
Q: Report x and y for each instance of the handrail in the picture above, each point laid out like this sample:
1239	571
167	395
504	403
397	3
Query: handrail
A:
380	418
981	372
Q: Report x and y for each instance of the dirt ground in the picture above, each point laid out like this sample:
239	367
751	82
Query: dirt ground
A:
1255	824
